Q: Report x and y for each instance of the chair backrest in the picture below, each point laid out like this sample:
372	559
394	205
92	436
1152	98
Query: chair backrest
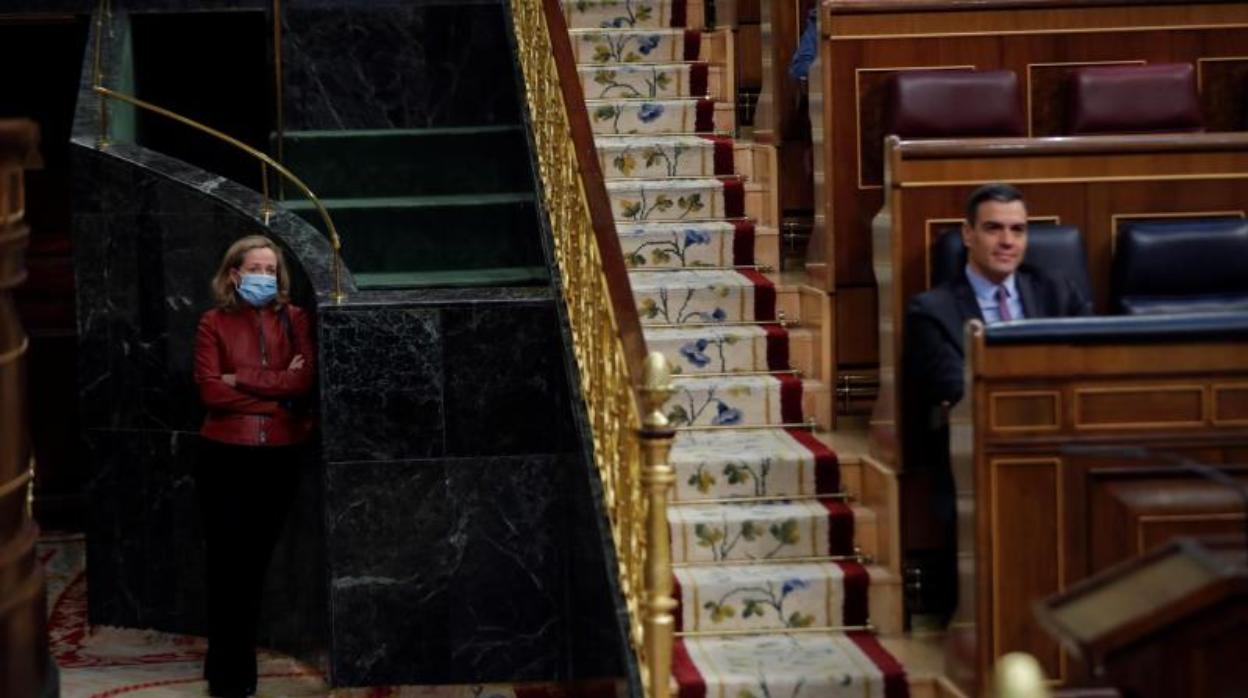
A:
1157	98
1178	266
955	104
1054	249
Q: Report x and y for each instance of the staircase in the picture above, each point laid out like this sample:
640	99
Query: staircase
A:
773	577
451	206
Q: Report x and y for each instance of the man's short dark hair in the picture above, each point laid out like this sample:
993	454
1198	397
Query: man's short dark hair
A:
997	191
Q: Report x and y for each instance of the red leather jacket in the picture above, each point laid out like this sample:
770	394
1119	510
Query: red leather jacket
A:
254	345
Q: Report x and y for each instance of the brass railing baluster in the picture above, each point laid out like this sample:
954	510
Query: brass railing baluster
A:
629	455
658	477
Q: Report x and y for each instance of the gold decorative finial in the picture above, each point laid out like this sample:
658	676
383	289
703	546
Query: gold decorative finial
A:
1018	675
656	388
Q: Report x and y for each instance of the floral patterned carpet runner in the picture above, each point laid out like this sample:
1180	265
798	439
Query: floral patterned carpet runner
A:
770	589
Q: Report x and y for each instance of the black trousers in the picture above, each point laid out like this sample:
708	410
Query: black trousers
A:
245	494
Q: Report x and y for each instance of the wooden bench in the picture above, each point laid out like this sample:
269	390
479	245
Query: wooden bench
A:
1050	488
864	42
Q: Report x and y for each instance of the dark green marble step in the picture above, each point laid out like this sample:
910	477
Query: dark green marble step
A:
410	162
500	276
478	235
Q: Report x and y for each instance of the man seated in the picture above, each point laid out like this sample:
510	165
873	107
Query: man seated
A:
995	286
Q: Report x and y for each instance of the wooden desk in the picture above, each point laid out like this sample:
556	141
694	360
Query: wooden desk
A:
1035	516
864	42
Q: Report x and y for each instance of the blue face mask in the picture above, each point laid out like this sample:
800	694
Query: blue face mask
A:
257	289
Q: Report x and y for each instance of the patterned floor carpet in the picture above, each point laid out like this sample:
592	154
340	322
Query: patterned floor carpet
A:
105	662
773	595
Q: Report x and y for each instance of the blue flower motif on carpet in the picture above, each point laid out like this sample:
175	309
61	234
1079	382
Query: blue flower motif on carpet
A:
649	112
726	415
695	353
792	585
696	236
648	44
718	315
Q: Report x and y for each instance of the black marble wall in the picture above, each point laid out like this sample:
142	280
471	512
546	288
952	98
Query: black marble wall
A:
452	485
422	65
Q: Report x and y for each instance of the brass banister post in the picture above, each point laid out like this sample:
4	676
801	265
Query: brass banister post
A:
657	478
1018	675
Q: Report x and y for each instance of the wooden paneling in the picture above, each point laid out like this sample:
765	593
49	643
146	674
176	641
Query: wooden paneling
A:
862	43
1027	557
749	57
1024	410
1134	510
1230	404
1139	407
1035	516
856	343
747	12
1223	82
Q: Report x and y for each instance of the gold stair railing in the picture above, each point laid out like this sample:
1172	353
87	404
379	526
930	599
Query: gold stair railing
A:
624	389
103	12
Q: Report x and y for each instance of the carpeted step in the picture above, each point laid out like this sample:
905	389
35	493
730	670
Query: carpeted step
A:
795	665
734	400
685	297
771	530
599	45
665	156
624	14
752	463
409	162
622	116
433	233
771	596
667	200
678	245
695	350
647	80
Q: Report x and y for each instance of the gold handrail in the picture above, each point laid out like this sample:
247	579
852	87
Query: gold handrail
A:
619	383
266	162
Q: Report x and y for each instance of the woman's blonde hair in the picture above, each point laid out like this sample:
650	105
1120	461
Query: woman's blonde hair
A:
223	288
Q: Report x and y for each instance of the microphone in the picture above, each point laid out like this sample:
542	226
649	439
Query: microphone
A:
1139	453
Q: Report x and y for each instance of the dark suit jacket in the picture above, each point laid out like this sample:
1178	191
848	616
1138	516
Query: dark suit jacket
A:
932	357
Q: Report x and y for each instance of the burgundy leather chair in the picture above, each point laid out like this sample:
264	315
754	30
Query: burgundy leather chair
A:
1158	98
955	104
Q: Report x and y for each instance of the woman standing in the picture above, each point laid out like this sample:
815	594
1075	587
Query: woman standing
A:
254	365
